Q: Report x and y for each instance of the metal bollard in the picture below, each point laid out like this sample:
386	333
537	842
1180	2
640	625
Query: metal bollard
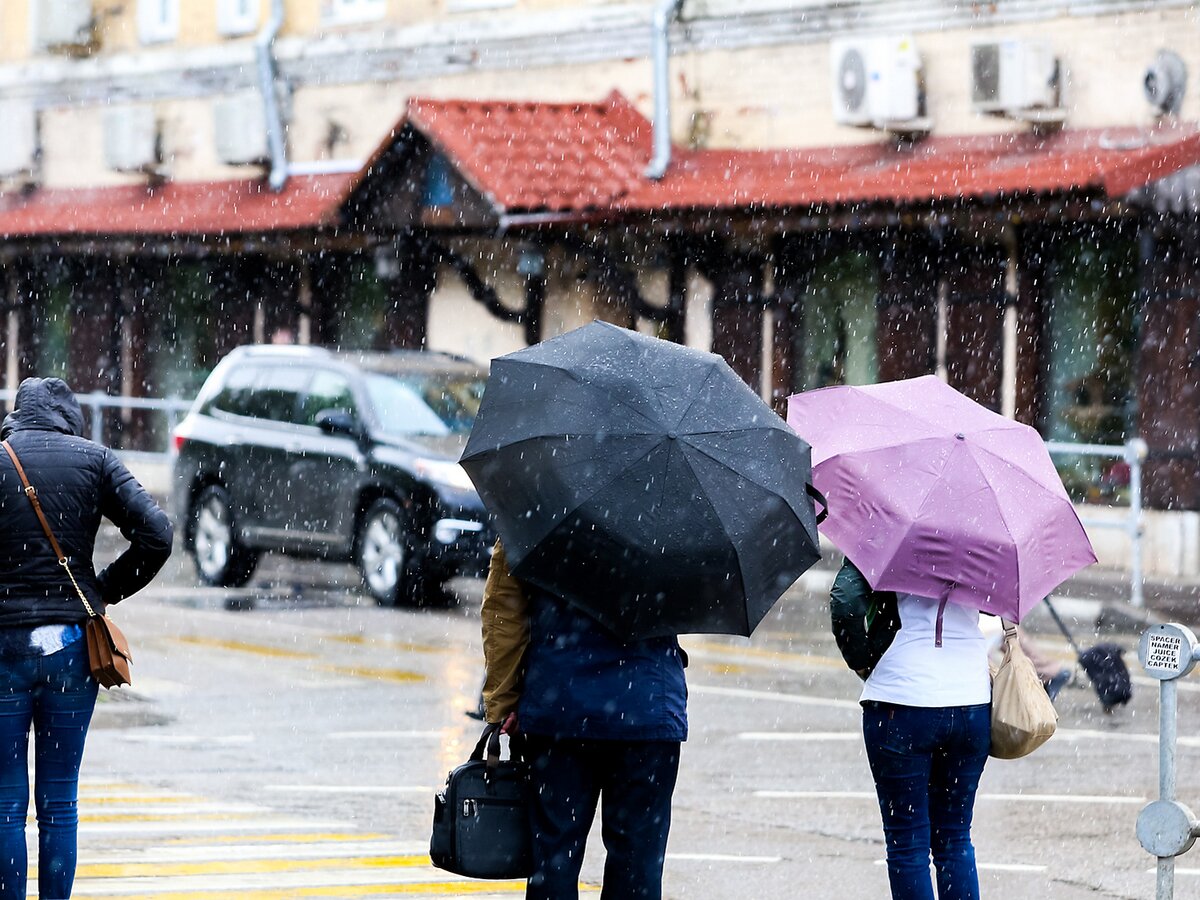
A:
1166	828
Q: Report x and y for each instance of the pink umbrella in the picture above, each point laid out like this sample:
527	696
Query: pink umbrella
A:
932	494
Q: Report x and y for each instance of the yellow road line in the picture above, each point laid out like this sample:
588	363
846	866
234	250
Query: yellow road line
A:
247	866
244	647
430	888
363	640
401	675
166	820
139	799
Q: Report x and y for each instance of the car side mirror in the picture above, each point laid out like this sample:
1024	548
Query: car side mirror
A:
338	422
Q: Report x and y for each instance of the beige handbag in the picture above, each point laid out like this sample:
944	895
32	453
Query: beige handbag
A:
1023	716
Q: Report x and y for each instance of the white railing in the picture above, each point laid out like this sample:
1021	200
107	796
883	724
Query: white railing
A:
95	403
1133	452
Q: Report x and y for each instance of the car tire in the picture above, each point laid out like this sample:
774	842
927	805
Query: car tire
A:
220	559
381	552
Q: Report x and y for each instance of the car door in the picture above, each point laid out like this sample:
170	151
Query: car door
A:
332	466
271	446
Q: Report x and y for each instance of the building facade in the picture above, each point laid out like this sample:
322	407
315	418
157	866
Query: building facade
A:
1003	193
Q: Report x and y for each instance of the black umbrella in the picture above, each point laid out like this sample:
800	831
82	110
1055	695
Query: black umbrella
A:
642	481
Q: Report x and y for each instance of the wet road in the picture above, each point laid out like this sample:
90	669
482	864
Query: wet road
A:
291	748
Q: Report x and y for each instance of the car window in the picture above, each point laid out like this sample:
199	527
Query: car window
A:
235	395
328	390
436	403
276	393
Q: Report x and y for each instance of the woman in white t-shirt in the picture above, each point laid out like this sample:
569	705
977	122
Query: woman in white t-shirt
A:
927	726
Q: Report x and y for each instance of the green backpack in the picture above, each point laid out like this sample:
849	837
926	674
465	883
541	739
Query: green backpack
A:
864	620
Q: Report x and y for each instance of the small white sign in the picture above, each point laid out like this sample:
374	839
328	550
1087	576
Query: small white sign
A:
1164	652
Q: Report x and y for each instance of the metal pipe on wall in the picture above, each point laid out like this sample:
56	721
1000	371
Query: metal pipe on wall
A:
664	15
264	45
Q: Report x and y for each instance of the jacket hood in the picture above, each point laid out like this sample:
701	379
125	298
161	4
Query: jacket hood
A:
44	404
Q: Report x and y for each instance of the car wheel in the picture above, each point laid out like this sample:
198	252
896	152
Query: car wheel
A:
221	561
381	552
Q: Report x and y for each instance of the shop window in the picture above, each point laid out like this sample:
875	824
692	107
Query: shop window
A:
180	333
359	323
158	21
1091	345
54	331
338	12
839	344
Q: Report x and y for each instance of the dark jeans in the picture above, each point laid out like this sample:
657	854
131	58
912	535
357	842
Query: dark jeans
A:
927	764
636	780
55	694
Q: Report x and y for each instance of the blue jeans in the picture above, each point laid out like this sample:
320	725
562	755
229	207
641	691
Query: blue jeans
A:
56	695
927	764
636	780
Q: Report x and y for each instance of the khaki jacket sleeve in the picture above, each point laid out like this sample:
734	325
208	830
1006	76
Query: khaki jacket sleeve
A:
505	614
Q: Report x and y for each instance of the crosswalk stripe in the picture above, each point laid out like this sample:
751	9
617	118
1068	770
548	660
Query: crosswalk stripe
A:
89	827
138	843
246	866
291	837
252	881
325	849
430	889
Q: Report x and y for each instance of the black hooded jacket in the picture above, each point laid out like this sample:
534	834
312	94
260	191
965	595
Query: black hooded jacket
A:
78	482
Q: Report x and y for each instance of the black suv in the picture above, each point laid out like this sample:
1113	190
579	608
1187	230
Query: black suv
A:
345	456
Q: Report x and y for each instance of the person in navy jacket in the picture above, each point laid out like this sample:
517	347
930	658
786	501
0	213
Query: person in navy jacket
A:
601	718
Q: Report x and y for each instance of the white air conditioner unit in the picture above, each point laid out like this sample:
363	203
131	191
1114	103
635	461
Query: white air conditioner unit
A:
63	24
1014	77
131	139
878	83
240	129
19	149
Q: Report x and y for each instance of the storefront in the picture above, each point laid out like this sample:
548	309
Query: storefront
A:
1036	273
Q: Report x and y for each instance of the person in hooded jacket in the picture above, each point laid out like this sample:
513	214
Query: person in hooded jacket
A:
46	683
601	718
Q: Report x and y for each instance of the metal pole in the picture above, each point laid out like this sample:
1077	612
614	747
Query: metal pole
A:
1167	709
1135	452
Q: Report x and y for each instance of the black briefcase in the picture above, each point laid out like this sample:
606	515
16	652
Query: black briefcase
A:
481	817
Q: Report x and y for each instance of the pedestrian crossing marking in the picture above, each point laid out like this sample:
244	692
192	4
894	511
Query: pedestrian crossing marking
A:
245	866
278	836
139	843
428	889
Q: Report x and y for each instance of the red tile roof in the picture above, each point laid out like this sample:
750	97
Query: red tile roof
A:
1112	161
540	156
210	208
580	157
588	158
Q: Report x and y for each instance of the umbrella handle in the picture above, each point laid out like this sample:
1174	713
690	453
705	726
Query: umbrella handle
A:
820	498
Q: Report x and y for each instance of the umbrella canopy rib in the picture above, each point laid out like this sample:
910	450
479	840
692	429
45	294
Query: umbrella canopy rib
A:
583	383
730	468
596	489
